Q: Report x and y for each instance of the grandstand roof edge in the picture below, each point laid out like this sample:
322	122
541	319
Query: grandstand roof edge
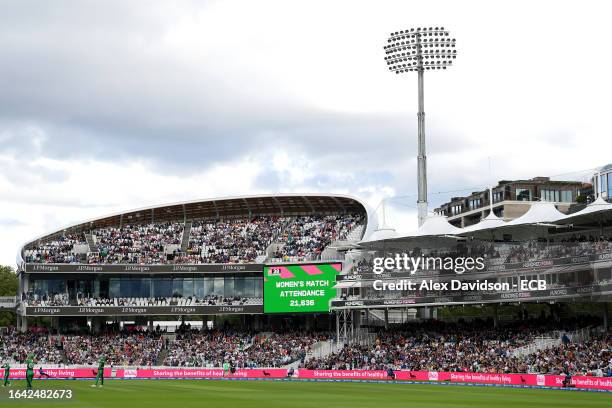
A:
371	215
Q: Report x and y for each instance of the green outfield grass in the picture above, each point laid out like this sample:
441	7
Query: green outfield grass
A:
294	394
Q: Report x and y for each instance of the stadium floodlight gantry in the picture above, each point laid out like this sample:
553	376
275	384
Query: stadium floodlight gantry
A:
420	49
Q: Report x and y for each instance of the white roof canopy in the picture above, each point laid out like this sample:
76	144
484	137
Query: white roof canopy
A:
435	225
596	209
539	212
384	232
491	221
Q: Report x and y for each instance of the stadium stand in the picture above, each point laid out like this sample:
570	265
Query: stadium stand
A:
424	346
58	250
434	346
209	241
129	349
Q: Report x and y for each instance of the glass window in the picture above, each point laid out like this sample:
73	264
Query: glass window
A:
162	287
198	287
229	286
554	195
609	189
218	288
523	194
566	196
239	284
177	287
209	286
249	287
603	184
258	284
127	287
146	287
114	287
456	209
187	287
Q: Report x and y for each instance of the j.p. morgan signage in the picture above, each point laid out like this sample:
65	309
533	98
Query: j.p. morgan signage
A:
127	268
141	310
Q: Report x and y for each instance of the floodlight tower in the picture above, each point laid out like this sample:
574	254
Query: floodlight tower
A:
420	49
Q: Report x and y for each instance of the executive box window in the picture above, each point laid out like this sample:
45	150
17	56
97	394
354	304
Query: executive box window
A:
130	287
566	196
48	286
146	287
456	209
475	203
523	194
162	287
558	196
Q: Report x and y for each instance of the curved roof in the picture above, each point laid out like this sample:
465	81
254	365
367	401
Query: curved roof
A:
228	207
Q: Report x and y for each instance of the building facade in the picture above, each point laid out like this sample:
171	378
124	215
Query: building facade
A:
602	182
511	199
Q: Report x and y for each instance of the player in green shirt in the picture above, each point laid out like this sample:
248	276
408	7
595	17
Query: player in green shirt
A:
29	372
226	368
100	375
7	373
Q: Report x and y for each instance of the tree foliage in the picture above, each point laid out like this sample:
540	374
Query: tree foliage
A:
8	287
8	281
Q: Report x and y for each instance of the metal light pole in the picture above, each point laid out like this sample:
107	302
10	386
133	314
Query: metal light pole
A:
420	49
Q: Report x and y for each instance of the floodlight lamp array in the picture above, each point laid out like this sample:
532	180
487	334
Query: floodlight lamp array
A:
420	49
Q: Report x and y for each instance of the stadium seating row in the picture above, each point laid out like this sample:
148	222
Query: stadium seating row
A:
212	241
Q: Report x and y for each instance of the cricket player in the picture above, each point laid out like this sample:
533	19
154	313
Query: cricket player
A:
7	373
41	373
100	375
29	371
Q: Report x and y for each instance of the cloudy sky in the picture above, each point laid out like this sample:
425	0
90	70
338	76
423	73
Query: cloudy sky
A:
111	105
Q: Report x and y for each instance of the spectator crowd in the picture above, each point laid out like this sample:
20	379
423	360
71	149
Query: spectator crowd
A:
446	347
209	241
427	346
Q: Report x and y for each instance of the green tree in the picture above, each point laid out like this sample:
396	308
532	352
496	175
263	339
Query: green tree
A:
8	287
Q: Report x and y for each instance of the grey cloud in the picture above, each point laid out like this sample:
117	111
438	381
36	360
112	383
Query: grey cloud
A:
93	82
86	76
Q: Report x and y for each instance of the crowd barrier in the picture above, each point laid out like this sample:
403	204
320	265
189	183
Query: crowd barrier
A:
595	383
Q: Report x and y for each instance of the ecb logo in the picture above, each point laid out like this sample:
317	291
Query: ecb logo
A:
432	376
